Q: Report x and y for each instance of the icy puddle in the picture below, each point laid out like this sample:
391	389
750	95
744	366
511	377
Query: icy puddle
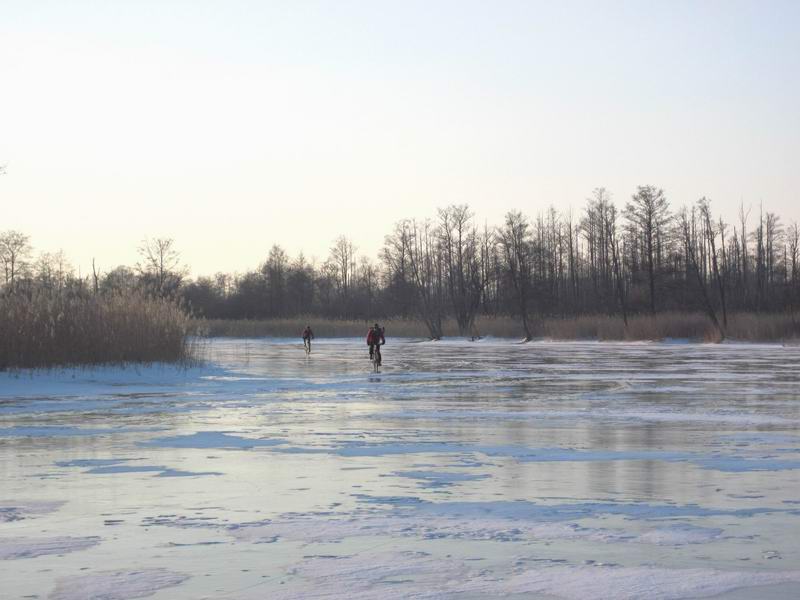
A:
578	471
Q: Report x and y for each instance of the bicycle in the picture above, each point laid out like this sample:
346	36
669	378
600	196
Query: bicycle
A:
307	346
376	358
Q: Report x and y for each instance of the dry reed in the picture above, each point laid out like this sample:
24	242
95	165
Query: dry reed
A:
48	330
669	325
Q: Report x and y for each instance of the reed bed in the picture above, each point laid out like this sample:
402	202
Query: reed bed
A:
49	330
749	327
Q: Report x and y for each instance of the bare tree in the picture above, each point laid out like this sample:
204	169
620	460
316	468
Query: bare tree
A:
516	244
612	240
367	276
52	271
119	279
274	271
426	266
460	250
743	217
396	259
705	213
343	258
793	267
648	214
161	260
15	249
687	226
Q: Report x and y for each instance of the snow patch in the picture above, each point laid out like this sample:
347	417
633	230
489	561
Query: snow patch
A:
15	511
209	439
14	548
639	583
439	478
335	528
678	535
526	510
396	575
116	585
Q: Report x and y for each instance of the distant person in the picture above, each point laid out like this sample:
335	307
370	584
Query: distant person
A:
308	335
375	339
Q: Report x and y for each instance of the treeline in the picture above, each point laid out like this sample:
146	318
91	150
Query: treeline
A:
642	258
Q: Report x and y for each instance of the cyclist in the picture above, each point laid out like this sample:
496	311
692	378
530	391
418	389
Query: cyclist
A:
308	335
375	339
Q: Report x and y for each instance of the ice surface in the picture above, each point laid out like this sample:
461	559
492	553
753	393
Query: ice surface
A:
55	431
543	470
116	585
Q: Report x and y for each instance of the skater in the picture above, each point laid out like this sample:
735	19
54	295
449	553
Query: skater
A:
308	335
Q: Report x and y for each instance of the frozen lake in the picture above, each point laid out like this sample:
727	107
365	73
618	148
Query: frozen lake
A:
464	470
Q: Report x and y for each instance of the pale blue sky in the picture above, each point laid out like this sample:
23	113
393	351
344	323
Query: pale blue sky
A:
231	126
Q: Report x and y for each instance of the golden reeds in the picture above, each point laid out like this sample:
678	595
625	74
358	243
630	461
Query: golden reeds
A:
46	330
691	326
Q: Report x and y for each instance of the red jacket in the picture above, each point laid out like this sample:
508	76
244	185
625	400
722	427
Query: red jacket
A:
375	337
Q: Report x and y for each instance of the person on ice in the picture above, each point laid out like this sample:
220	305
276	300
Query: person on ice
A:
308	335
375	339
